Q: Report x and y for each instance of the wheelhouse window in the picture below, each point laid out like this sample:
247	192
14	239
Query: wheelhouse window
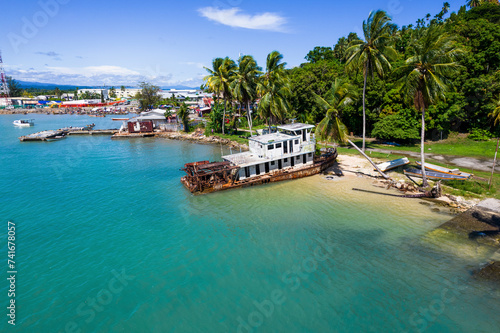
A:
278	145
270	147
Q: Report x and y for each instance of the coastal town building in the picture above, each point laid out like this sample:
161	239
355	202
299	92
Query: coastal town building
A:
104	91
127	92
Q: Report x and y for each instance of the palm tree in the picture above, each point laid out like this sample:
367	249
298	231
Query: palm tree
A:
228	70
373	54
476	3
331	127
425	76
219	80
274	88
183	116
340	48
244	85
446	7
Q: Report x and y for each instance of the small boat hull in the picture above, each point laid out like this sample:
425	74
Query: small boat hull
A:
433	175
437	168
386	166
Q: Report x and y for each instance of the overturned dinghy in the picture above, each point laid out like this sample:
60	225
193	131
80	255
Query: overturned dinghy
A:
434	175
389	165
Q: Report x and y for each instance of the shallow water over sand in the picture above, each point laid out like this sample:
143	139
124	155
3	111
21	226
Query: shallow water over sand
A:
109	241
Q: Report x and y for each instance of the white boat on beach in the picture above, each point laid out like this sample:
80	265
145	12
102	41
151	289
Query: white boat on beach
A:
437	168
24	122
393	164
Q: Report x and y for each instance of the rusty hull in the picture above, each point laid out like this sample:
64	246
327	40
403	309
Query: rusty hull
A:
224	179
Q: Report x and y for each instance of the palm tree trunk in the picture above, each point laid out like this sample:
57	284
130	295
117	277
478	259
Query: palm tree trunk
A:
422	149
493	167
224	116
364	113
369	160
249	116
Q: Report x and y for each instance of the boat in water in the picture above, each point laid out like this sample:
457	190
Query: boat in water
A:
286	154
389	165
437	168
434	175
24	122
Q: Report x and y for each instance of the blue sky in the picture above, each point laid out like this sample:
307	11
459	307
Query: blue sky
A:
168	42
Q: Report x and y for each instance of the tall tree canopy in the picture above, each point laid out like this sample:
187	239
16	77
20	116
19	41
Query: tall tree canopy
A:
372	55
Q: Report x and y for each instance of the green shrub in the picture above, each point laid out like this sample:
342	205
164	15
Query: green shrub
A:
396	127
479	134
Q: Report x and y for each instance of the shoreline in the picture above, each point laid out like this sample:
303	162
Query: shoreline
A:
198	137
345	166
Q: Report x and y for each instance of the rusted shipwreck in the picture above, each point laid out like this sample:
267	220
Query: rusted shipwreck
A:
286	154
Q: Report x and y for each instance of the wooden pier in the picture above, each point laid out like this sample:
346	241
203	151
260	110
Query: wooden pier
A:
94	132
43	136
61	133
126	135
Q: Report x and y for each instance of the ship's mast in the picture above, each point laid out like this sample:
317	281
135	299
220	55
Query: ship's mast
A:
4	87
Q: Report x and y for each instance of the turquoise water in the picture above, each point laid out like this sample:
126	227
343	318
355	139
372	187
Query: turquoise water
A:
108	240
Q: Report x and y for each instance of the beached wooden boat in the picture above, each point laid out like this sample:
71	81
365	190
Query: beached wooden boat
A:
433	175
437	168
389	165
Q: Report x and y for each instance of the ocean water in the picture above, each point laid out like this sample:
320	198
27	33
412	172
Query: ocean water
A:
108	240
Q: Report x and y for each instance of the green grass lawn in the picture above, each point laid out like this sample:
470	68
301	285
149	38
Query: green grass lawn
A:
459	146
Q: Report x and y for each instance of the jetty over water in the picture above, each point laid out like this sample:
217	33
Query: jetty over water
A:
94	132
51	135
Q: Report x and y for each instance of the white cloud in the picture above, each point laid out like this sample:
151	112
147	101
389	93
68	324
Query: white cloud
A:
96	75
92	70
233	17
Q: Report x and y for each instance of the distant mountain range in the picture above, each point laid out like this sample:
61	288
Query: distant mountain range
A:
50	86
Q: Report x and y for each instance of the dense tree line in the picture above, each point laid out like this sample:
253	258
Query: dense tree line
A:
469	99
